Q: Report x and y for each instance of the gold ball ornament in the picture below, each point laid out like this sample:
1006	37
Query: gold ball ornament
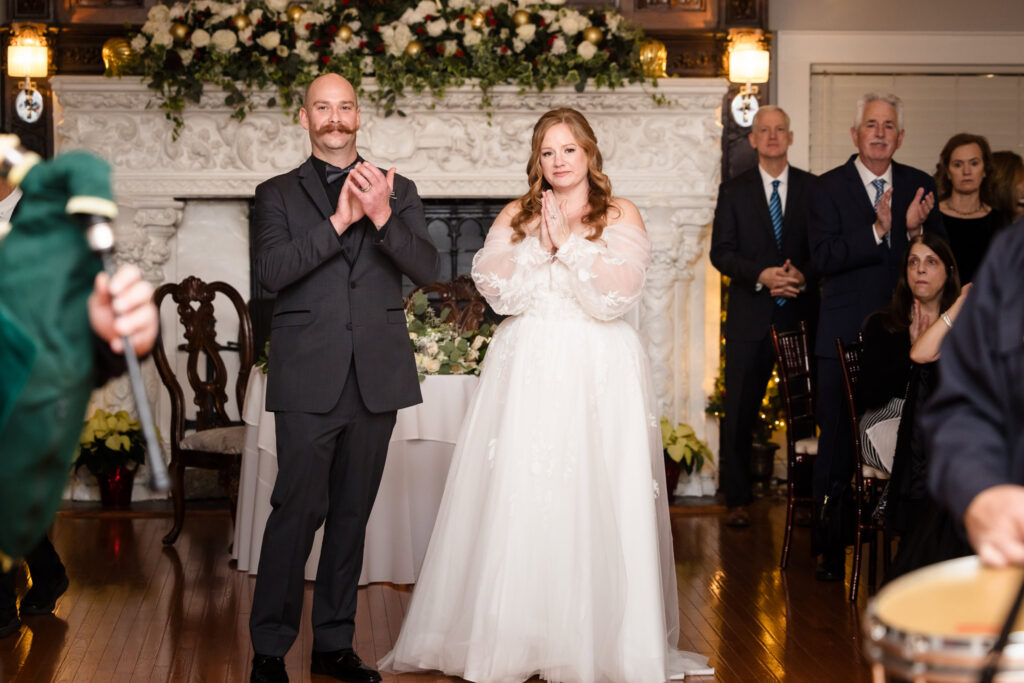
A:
654	58
179	31
593	35
521	17
241	21
477	20
344	33
117	53
413	48
295	12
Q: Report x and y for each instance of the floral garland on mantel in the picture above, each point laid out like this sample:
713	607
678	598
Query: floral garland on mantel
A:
408	44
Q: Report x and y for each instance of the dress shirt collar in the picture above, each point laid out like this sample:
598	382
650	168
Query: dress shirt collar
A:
866	176
766	180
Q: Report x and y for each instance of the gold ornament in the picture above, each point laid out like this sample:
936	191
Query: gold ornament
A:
344	33
477	20
654	58
521	17
295	12
241	21
592	34
413	48
179	31
117	54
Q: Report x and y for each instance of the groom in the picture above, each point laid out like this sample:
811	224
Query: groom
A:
333	239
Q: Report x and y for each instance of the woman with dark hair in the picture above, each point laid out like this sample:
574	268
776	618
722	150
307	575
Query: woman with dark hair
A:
928	286
1007	183
962	179
552	552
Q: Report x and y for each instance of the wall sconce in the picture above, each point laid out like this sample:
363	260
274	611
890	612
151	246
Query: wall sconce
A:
28	58
748	64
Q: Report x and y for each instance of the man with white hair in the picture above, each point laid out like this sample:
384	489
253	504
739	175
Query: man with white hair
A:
863	215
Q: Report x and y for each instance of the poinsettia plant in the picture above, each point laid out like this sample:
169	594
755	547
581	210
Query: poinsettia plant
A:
416	45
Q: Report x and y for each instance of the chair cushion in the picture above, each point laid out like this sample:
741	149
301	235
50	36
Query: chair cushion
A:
229	440
808	446
873	473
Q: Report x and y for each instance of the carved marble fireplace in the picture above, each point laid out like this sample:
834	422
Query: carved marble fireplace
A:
184	203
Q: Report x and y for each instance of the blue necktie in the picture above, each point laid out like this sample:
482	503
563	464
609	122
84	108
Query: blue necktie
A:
775	209
879	185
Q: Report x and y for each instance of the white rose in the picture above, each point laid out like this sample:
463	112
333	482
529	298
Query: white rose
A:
427	7
268	41
503	34
518	45
556	2
307	18
409	16
450	46
548	15
163	37
473	355
139	43
558	47
200	38
302	49
612	20
278	5
245	35
472	37
478	341
396	37
178	11
256	15
186	56
224	39
158	14
340	47
526	32
432	348
458	4
281	50
436	27
225	10
586	49
432	364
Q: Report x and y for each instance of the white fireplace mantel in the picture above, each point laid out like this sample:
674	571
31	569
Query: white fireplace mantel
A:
664	157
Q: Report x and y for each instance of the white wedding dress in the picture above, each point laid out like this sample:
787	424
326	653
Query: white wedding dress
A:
552	552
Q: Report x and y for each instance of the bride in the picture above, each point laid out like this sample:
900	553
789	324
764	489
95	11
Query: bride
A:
552	552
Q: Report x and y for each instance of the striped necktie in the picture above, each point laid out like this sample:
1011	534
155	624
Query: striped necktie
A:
775	209
879	185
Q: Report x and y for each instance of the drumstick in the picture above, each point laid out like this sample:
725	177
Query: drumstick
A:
993	656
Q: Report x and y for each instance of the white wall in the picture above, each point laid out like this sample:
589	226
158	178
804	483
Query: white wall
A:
896	15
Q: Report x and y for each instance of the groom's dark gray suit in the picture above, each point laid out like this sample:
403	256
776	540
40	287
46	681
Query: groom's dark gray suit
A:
340	367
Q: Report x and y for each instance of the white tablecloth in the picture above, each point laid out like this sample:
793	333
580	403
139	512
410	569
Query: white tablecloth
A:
410	490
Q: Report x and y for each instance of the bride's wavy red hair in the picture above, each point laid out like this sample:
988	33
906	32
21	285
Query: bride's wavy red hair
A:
600	193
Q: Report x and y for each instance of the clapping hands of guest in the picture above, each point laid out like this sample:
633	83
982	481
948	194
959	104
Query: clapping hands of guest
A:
554	225
918	211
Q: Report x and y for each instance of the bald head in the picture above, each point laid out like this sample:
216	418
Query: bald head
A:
329	84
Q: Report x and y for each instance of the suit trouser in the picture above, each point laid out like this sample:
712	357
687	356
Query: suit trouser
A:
329	470
748	367
833	466
43	564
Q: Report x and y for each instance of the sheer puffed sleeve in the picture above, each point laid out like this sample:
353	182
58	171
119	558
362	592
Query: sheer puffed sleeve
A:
608	275
508	273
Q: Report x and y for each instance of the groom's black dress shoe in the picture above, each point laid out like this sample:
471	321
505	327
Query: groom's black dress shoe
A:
267	669
344	665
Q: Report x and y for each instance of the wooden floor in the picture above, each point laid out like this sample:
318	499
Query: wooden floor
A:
139	611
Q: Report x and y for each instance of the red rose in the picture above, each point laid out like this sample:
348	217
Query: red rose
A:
504	49
459	53
325	59
420	30
332	29
362	44
440	49
309	26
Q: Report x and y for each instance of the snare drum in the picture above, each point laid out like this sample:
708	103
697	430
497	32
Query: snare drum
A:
937	624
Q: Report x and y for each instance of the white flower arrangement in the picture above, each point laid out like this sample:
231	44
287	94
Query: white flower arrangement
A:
438	346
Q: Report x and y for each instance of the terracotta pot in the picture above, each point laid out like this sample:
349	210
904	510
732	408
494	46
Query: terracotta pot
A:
116	488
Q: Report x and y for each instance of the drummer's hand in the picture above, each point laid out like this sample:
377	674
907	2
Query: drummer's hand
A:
122	306
995	525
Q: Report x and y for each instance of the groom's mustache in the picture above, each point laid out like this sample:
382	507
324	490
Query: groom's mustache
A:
335	128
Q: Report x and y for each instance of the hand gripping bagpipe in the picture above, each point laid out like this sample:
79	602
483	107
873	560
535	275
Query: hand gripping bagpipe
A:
48	264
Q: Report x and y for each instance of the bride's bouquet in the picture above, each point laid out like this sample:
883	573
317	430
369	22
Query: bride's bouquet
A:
439	346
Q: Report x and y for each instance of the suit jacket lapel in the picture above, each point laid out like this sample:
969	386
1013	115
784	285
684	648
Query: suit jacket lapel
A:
310	181
857	192
794	195
761	204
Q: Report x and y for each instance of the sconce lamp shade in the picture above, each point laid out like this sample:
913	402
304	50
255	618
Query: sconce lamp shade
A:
748	63
27	55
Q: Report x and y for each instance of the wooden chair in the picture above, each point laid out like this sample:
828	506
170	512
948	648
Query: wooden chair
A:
467	305
794	361
868	482
213	441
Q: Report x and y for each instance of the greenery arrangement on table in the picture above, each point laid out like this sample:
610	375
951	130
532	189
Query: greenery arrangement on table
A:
110	441
439	346
415	45
772	414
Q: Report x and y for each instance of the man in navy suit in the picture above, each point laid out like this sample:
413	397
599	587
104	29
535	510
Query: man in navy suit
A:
863	214
759	240
333	238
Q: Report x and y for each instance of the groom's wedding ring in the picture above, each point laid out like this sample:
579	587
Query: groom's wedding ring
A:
365	189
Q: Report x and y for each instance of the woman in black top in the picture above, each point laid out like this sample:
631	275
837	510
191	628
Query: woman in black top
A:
962	179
